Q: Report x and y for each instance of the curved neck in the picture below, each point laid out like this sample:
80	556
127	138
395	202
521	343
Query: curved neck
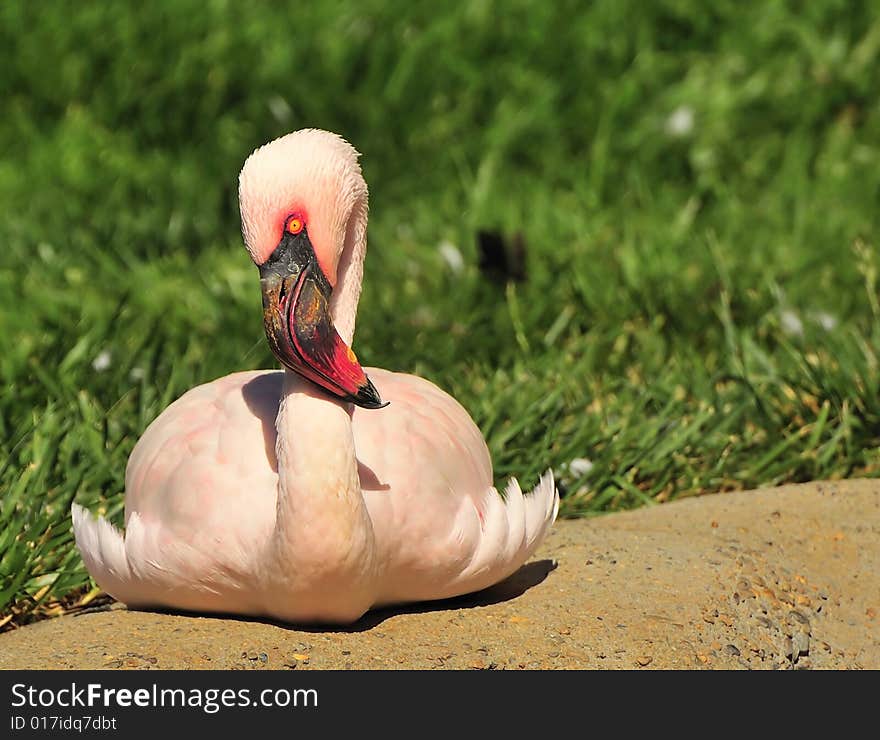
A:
317	465
322	523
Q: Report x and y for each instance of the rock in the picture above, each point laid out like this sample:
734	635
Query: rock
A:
559	612
800	644
797	616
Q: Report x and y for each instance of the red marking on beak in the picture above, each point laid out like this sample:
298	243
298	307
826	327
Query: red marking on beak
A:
302	336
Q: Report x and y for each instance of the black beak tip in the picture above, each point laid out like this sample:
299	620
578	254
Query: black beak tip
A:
368	397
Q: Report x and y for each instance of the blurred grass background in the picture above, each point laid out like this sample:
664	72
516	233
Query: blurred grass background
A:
697	186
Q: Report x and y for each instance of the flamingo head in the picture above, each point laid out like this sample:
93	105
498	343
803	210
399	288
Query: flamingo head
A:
303	211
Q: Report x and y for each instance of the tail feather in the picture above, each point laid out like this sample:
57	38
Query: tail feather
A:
517	526
142	568
514	528
106	552
542	506
529	516
102	547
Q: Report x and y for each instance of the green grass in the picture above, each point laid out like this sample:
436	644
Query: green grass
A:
701	307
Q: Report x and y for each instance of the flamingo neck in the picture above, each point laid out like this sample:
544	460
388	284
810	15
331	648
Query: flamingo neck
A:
317	463
322	523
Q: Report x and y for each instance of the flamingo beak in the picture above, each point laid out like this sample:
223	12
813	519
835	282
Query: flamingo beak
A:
300	331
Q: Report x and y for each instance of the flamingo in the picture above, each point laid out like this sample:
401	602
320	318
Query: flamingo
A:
303	495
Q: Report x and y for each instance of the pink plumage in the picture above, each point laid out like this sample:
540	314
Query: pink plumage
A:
260	494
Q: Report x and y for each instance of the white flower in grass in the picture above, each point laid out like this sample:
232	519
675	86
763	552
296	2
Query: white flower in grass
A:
791	323
580	466
280	109
137	373
450	254
102	360
680	122
825	320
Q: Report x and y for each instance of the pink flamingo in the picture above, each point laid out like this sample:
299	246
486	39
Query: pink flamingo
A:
300	494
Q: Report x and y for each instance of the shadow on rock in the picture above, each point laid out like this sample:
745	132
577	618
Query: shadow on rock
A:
515	585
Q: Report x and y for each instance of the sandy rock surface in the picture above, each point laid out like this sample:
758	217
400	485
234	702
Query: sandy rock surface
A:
777	578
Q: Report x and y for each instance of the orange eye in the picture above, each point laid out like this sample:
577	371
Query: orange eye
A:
295	225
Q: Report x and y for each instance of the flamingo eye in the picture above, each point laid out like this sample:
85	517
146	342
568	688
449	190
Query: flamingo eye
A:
295	225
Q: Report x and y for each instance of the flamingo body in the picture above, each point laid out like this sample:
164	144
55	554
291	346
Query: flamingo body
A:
259	494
